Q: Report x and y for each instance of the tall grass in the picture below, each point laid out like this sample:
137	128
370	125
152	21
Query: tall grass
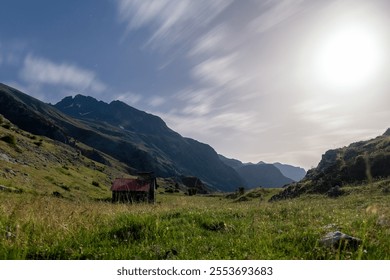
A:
192	227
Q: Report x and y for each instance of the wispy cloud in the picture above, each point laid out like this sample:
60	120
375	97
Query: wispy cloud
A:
170	21
129	97
39	70
156	101
217	71
276	13
211	42
197	102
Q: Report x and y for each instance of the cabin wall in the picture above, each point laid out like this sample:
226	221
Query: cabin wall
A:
129	197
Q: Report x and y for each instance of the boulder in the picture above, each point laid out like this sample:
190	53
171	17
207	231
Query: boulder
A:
335	192
337	239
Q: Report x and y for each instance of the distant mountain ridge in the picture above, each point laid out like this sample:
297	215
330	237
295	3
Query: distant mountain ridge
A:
140	140
292	172
265	174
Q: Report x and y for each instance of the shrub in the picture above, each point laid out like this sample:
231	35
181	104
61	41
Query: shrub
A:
57	194
38	143
96	184
7	126
10	139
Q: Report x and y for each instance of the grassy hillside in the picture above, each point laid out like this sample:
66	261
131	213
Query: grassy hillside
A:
195	227
38	165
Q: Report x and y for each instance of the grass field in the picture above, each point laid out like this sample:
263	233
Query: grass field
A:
195	227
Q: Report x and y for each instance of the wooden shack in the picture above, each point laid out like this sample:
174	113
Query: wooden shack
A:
131	190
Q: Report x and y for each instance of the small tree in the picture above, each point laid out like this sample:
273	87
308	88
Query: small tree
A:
10	139
241	191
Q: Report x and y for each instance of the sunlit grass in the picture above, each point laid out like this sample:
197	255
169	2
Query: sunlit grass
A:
183	227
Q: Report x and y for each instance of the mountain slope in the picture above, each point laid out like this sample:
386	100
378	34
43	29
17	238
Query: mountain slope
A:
263	175
359	162
39	165
256	175
140	140
289	171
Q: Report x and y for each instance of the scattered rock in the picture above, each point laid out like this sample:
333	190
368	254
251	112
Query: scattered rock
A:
383	221
215	226
6	158
331	226
337	239
3	188
335	191
9	189
57	194
170	254
10	171
242	199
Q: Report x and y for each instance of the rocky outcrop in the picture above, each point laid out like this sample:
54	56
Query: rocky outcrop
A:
360	162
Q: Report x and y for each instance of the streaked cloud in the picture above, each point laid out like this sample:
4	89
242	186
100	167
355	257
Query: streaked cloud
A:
211	42
197	102
40	70
217	71
156	101
276	12
129	97
170	21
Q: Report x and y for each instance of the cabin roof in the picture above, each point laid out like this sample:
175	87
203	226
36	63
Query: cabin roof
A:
126	184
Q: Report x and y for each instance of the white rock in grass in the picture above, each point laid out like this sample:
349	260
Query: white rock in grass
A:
338	239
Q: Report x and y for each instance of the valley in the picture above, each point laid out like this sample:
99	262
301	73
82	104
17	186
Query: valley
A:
57	166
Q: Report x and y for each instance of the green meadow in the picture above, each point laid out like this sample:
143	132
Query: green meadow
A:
177	226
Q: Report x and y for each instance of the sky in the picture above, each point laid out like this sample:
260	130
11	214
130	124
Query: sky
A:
272	80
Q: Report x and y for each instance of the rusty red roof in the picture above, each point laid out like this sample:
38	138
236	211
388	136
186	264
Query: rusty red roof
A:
126	184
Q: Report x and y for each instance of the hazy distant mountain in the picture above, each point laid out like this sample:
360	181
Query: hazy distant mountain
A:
292	172
258	175
140	140
357	163
262	175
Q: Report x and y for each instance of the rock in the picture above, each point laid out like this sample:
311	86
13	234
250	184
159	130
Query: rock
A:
3	188
9	189
331	226
10	171
335	192
337	239
5	158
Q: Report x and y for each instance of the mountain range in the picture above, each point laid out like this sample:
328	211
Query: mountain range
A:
264	174
138	141
142	141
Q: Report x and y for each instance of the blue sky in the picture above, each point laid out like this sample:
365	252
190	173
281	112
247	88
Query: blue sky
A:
272	80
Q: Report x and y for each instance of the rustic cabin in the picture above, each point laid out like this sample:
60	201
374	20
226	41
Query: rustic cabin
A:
132	190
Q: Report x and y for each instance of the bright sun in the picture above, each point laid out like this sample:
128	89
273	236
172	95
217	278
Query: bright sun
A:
348	58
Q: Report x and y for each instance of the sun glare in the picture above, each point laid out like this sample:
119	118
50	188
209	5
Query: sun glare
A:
348	58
